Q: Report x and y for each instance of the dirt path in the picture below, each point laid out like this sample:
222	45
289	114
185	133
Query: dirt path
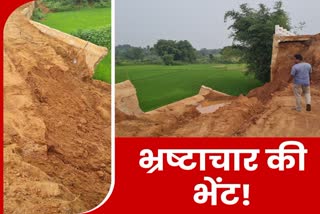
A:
281	120
56	125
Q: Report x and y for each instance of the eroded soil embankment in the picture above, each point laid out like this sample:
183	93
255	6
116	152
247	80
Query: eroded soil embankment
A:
279	119
56	125
266	111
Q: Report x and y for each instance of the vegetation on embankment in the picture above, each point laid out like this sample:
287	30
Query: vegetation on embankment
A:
88	20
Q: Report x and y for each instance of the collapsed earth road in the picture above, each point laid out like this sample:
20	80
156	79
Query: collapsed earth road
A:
56	124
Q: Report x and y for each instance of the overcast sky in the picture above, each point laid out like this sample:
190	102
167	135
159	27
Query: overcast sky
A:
143	22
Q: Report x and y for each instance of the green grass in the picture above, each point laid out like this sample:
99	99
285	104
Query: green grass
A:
159	85
101	73
87	18
71	21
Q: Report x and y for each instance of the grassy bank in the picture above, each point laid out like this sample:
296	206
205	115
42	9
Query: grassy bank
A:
84	19
71	21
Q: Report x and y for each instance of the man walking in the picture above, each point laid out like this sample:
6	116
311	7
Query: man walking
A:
301	73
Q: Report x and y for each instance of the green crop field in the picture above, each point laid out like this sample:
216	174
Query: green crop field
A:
71	21
159	85
85	19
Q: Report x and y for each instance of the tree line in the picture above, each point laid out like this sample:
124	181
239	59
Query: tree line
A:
170	52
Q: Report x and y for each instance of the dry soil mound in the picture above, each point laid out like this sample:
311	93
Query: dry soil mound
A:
56	125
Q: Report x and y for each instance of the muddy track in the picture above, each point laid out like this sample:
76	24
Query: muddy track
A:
280	120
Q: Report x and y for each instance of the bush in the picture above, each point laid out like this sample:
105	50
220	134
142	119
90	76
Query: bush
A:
179	62
101	36
59	6
37	15
102	4
154	60
68	5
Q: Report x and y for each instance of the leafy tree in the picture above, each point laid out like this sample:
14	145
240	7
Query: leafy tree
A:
205	56
127	52
252	30
164	47
136	53
231	54
207	52
180	51
211	58
168	59
186	52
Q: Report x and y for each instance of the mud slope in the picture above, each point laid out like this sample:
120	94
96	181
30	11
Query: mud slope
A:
266	111
279	119
56	125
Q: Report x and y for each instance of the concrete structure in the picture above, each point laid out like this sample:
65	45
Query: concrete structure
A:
282	36
93	53
126	98
280	31
204	90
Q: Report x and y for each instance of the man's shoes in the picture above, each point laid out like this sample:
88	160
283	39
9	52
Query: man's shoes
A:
308	107
296	109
